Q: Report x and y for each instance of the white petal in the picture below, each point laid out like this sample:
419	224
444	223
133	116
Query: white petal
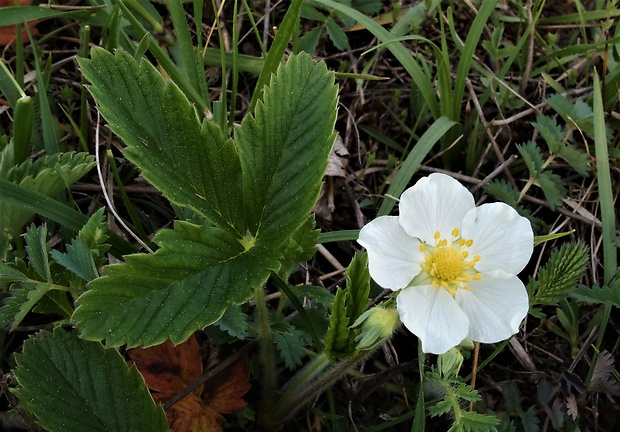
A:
495	306
503	239
434	203
432	315
393	256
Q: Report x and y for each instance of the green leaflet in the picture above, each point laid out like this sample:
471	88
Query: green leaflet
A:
74	385
186	285
284	147
38	251
24	297
606	294
191	163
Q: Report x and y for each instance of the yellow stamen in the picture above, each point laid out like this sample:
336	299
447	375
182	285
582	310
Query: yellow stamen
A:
447	264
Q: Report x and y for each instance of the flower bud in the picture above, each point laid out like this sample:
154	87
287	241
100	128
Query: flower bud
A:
376	325
450	362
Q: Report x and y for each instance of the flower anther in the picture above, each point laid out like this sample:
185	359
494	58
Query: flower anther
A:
449	263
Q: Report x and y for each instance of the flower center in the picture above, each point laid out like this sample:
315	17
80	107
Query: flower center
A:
446	262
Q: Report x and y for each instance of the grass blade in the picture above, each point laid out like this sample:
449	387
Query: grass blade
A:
421	80
608	218
50	208
274	57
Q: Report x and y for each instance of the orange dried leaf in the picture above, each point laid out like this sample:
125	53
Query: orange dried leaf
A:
228	396
190	415
168	368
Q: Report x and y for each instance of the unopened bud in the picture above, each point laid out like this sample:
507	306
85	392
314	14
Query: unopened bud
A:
376	325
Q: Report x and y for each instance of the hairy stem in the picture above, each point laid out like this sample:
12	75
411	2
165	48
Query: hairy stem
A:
266	347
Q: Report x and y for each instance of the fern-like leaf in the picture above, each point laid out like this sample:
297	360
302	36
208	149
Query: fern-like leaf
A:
559	277
337	344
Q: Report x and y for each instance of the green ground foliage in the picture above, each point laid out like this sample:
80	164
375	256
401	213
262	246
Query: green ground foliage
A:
177	168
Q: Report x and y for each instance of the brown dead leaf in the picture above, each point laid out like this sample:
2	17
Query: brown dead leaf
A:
338	159
572	411
168	369
602	378
7	33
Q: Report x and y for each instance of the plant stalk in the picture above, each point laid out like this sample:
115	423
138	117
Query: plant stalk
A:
266	347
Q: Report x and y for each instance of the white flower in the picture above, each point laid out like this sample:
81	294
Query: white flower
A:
454	264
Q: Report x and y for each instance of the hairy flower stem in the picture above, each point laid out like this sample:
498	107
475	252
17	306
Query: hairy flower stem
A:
266	347
304	386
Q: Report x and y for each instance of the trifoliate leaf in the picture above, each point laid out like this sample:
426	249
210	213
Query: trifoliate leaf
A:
22	299
290	344
36	247
553	188
559	277
532	157
255	191
78	259
70	384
